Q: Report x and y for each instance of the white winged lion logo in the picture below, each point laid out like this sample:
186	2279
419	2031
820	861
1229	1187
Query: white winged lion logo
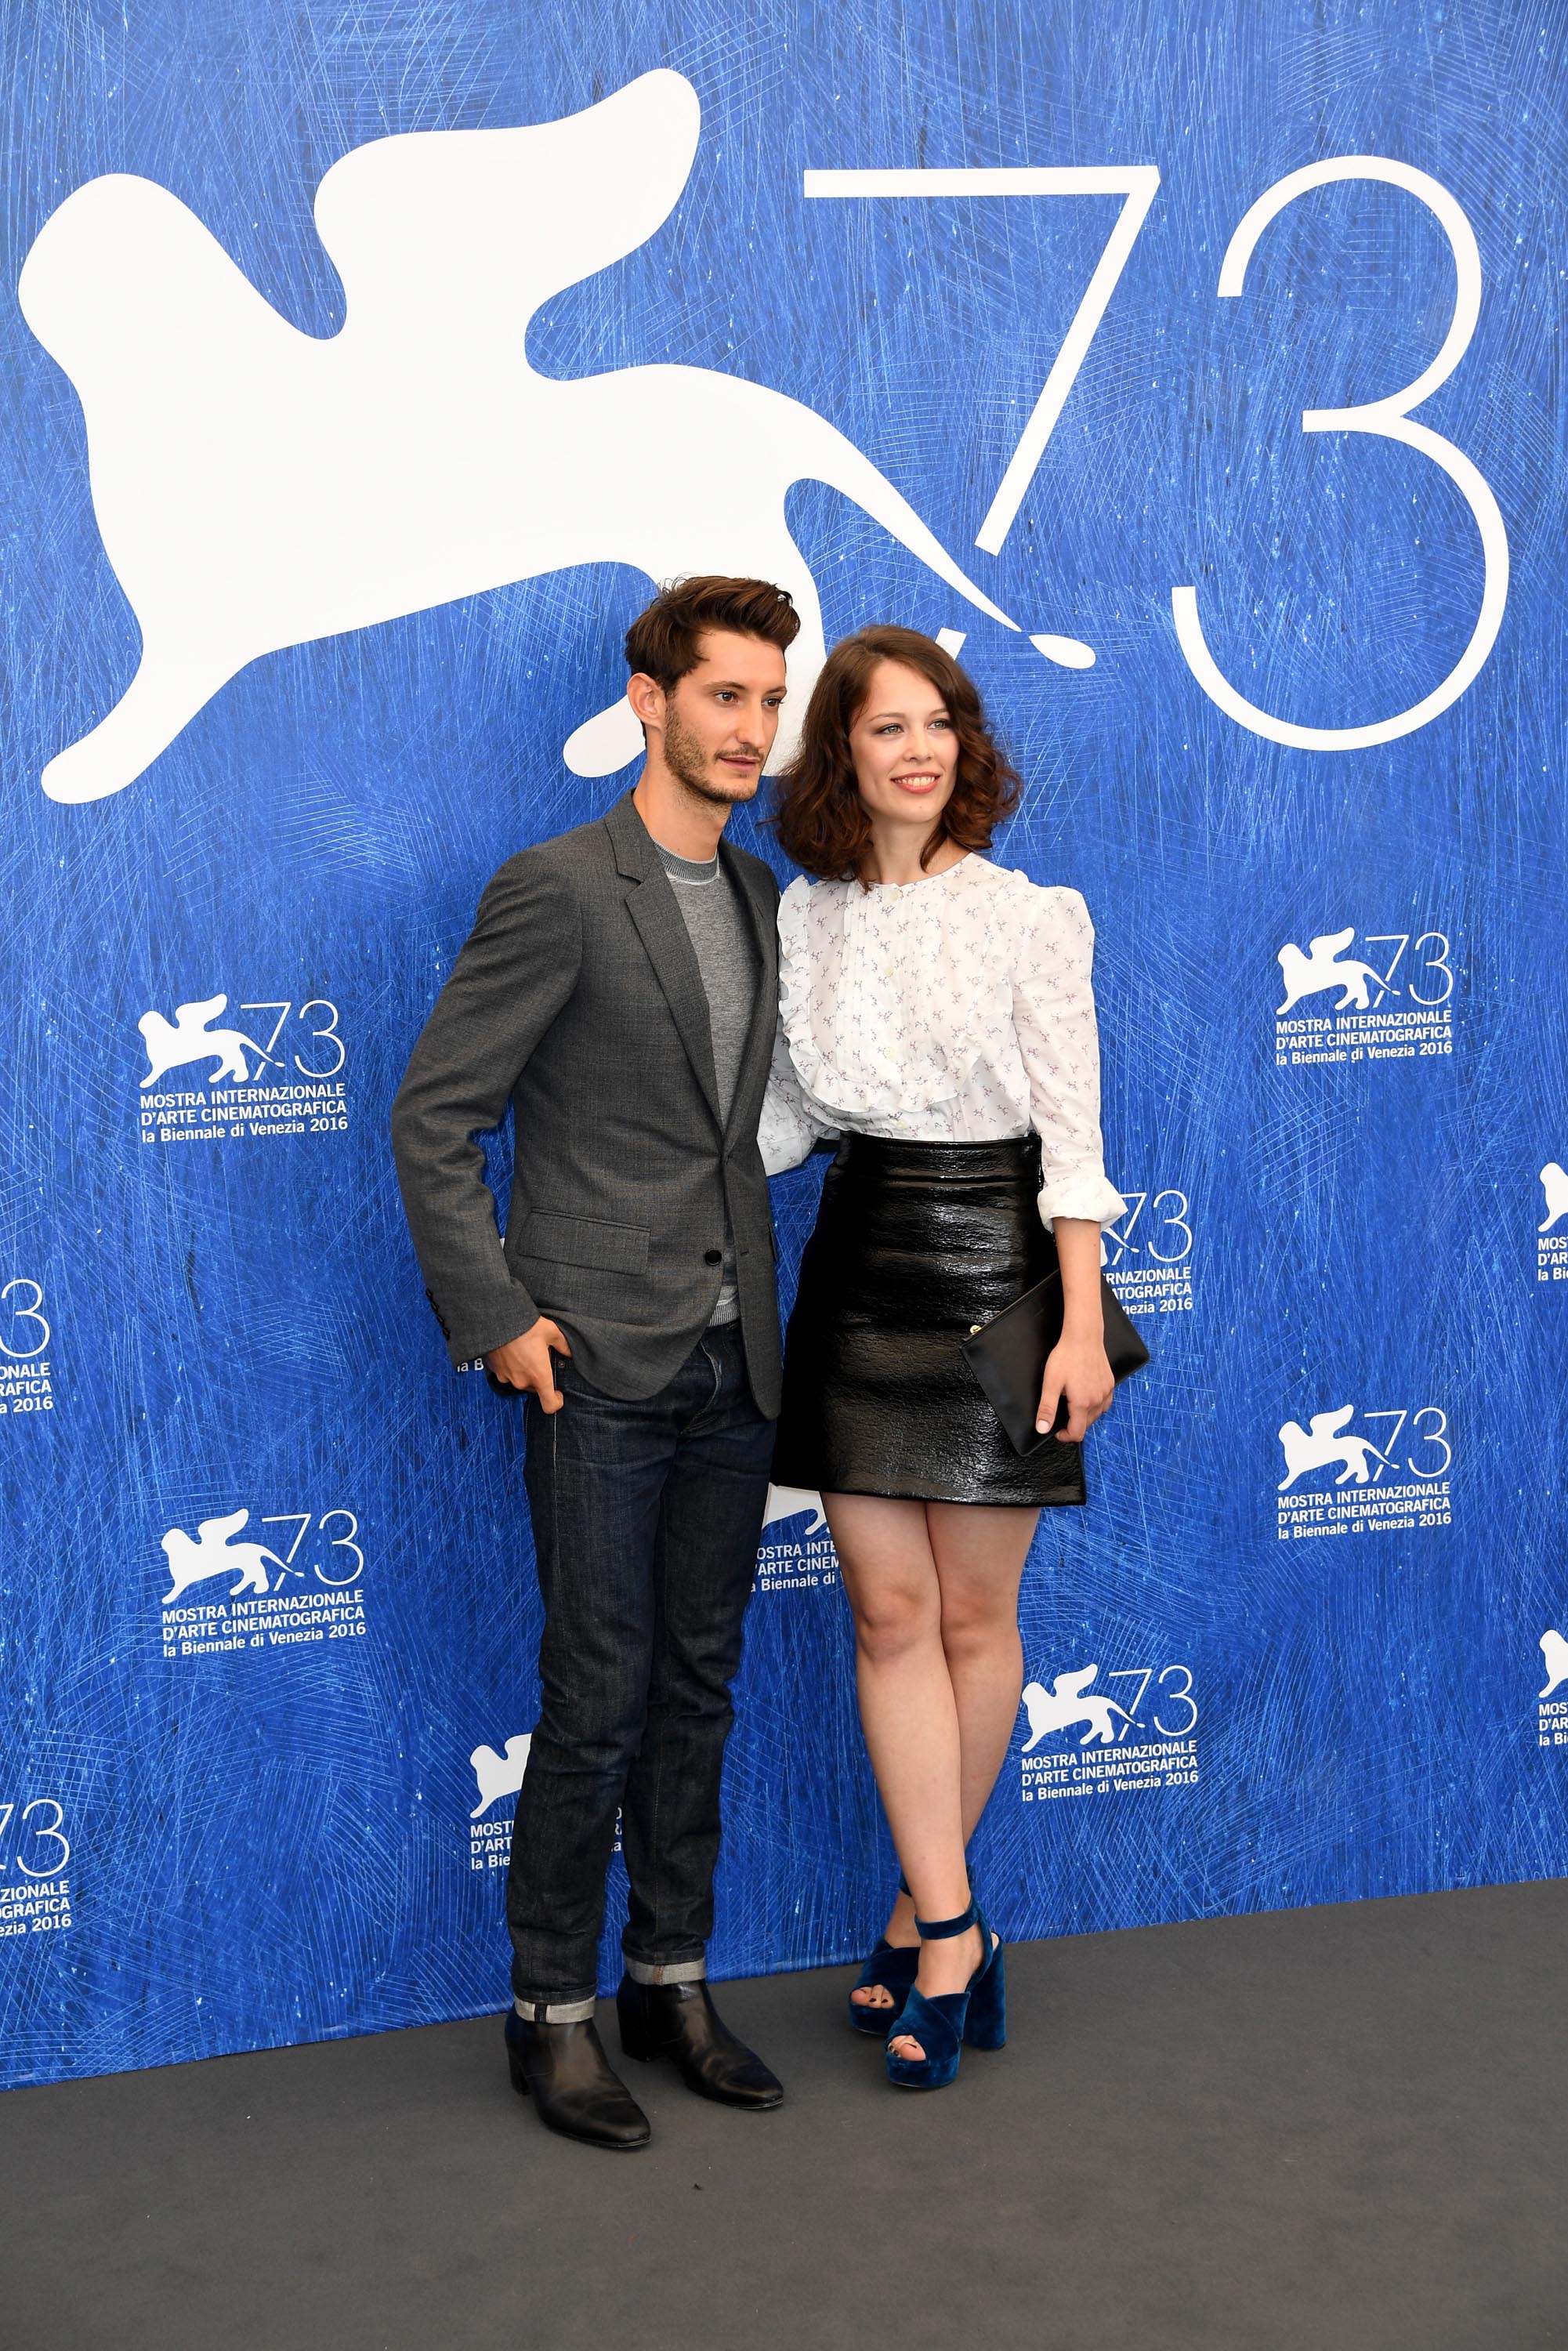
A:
214	1551
188	1038
500	1775
1324	1445
1327	965
1554	1185
1068	1702
1554	1656
785	1502
257	487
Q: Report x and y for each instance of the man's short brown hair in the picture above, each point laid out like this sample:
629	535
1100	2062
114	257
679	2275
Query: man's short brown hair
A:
663	643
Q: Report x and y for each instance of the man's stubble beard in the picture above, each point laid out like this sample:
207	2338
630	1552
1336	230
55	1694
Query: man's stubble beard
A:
683	758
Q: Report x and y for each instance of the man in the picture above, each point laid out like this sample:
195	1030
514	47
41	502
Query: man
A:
619	989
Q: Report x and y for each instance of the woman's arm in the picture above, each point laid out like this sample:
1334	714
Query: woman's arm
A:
1053	1014
787	1130
1077	1367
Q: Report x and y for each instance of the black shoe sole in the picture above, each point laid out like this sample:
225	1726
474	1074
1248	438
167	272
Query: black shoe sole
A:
698	2090
579	2138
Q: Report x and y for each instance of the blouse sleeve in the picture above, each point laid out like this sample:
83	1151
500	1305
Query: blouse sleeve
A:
788	1128
1053	1015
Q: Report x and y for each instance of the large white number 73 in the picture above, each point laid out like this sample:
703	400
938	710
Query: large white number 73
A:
1136	184
1389	420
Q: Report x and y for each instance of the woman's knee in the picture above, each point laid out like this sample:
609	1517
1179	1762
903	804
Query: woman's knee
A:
892	1620
977	1622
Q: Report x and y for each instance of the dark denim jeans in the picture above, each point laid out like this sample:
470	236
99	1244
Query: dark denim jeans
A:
646	1518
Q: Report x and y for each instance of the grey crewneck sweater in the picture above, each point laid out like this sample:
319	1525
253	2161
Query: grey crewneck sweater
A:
720	934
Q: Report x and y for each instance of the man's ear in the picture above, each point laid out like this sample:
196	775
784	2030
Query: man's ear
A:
646	696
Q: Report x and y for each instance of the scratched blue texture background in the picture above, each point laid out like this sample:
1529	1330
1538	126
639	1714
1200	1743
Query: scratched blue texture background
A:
272	1848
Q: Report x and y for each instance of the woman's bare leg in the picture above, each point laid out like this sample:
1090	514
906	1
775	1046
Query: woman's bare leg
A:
980	1554
975	1555
980	1551
907	1712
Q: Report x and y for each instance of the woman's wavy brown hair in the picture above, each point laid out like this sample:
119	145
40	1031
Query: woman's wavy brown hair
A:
817	813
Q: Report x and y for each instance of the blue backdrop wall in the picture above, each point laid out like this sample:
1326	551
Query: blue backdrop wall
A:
321	525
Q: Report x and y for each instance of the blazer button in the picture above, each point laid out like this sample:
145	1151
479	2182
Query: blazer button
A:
713	1257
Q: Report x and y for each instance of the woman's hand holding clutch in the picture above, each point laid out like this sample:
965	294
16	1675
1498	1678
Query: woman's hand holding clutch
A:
1077	1383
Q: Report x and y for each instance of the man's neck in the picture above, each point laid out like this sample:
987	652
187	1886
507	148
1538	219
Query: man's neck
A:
677	819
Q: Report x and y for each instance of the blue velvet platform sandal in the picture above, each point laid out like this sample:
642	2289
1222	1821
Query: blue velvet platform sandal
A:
892	1966
977	2014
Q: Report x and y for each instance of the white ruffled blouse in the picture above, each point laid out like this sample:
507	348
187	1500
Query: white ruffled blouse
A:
957	1009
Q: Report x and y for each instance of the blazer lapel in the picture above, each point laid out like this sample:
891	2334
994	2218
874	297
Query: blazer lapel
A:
651	902
759	1036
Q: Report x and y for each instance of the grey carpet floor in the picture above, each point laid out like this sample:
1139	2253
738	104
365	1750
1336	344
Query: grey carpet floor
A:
1342	2129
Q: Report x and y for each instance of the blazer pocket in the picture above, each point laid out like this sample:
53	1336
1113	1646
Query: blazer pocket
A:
584	1240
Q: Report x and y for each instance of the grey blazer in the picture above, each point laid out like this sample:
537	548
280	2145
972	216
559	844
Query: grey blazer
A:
578	996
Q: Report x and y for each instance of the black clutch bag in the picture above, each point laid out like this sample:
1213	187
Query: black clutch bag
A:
1008	1356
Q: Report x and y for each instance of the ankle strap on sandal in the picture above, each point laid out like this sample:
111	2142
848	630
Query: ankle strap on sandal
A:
938	1931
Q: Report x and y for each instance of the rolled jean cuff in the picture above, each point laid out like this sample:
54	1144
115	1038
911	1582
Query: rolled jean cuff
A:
670	1971
556	2011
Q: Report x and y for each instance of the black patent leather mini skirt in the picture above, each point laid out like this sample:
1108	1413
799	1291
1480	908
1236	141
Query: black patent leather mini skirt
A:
915	1244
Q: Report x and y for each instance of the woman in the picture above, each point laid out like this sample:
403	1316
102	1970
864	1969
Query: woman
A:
938	1016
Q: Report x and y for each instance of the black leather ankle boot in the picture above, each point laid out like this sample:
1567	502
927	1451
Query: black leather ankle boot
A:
679	2020
563	2068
